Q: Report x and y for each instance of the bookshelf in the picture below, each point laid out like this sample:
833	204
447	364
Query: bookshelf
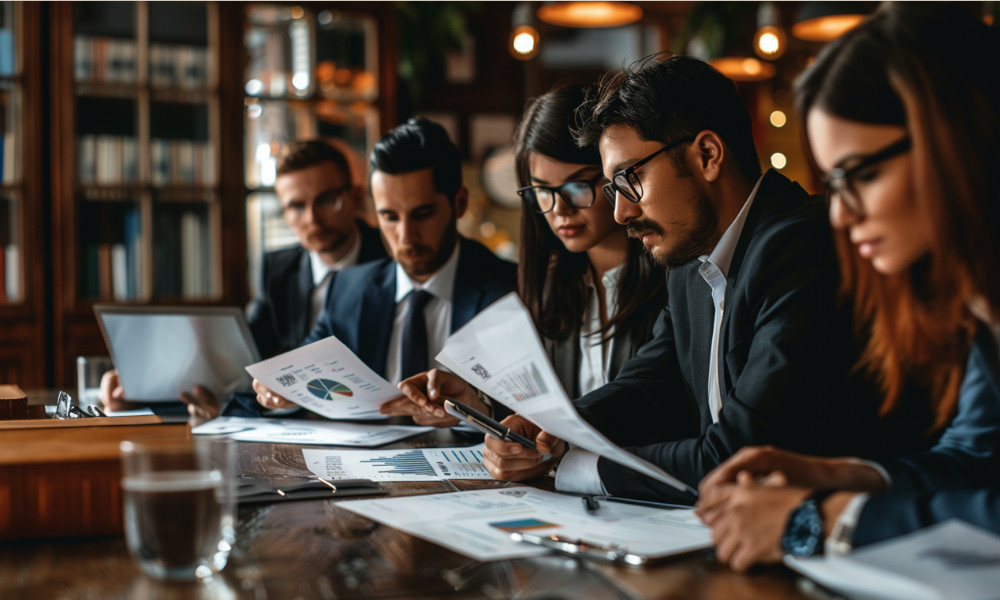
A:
22	257
140	112
313	70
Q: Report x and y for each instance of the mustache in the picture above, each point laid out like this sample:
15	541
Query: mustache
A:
637	228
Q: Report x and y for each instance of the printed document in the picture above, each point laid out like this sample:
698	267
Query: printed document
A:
948	561
478	523
499	352
328	379
302	431
413	464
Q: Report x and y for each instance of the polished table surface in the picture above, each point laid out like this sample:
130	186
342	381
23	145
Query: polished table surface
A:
312	549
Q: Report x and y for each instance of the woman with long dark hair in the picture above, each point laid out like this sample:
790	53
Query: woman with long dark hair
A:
591	291
905	136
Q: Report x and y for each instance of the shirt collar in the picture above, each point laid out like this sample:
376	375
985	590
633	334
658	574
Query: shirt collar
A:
722	255
440	285
321	269
610	279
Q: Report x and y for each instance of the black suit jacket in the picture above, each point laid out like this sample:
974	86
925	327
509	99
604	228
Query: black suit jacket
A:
361	302
279	315
785	354
960	476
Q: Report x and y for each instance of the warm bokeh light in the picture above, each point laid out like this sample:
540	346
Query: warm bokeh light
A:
524	42
770	42
589	14
742	68
778	118
824	29
779	160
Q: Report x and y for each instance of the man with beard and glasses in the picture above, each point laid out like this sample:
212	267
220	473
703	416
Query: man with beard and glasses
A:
416	187
753	346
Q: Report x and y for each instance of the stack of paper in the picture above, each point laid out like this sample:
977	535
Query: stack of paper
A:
949	561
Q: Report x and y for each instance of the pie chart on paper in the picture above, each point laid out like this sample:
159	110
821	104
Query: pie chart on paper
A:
328	389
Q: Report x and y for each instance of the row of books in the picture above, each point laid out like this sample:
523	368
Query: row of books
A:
108	159
114	160
189	162
10	274
110	60
178	66
9	153
182	255
113	271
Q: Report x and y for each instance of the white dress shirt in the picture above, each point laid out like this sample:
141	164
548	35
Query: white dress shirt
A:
595	356
437	313
578	469
321	277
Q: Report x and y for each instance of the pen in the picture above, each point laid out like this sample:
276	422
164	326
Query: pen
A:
487	425
613	554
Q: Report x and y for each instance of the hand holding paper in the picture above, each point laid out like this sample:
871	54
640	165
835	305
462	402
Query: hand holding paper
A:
496	353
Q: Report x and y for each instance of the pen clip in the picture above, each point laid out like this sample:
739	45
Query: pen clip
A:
614	553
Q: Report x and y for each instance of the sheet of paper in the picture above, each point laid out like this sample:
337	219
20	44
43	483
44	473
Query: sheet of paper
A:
515	370
478	523
948	561
328	379
413	464
301	431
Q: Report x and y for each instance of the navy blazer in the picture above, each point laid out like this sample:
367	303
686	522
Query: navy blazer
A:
960	476
361	301
279	316
785	356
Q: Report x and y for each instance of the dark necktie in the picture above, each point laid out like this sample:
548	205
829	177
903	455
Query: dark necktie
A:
414	341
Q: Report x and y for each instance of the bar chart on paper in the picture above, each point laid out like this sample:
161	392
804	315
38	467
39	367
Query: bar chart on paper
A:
419	464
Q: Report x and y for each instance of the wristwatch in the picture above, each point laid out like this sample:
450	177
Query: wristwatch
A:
804	531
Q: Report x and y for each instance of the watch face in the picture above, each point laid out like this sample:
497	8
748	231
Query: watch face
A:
804	532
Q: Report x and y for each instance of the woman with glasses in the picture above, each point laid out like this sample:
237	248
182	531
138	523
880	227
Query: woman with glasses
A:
592	291
905	136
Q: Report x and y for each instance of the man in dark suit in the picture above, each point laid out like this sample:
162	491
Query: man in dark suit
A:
322	205
751	347
417	190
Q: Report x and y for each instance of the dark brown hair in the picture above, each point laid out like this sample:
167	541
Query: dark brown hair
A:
551	278
302	154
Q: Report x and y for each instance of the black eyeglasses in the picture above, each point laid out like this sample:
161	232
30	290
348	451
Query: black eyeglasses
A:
626	182
542	198
841	181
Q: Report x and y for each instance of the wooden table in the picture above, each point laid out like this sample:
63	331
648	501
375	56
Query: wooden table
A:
311	549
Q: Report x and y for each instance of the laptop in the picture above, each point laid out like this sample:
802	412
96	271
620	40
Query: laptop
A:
161	351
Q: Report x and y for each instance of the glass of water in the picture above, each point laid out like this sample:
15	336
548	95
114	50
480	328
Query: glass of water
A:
180	504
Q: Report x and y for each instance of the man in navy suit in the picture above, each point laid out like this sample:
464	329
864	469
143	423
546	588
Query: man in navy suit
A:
322	205
417	190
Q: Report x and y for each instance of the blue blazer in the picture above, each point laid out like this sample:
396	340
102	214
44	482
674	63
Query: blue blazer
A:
361	301
960	476
279	316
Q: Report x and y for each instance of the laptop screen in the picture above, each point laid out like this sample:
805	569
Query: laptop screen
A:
161	351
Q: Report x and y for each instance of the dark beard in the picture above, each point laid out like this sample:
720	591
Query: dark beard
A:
698	241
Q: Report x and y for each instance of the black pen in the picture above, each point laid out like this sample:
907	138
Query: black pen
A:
486	424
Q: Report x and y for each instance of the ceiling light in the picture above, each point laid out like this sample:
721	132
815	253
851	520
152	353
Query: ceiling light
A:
589	14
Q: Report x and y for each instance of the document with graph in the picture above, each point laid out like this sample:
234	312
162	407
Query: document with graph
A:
499	352
413	464
328	379
479	523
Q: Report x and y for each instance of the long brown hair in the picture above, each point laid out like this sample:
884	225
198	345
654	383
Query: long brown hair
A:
551	278
946	95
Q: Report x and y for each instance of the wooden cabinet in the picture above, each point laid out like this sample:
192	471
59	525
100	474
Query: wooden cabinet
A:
22	253
139	124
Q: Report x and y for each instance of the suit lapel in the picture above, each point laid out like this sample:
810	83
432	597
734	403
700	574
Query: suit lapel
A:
466	295
377	316
302	296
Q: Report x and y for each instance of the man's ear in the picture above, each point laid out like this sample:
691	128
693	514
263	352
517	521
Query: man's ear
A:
710	153
461	201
